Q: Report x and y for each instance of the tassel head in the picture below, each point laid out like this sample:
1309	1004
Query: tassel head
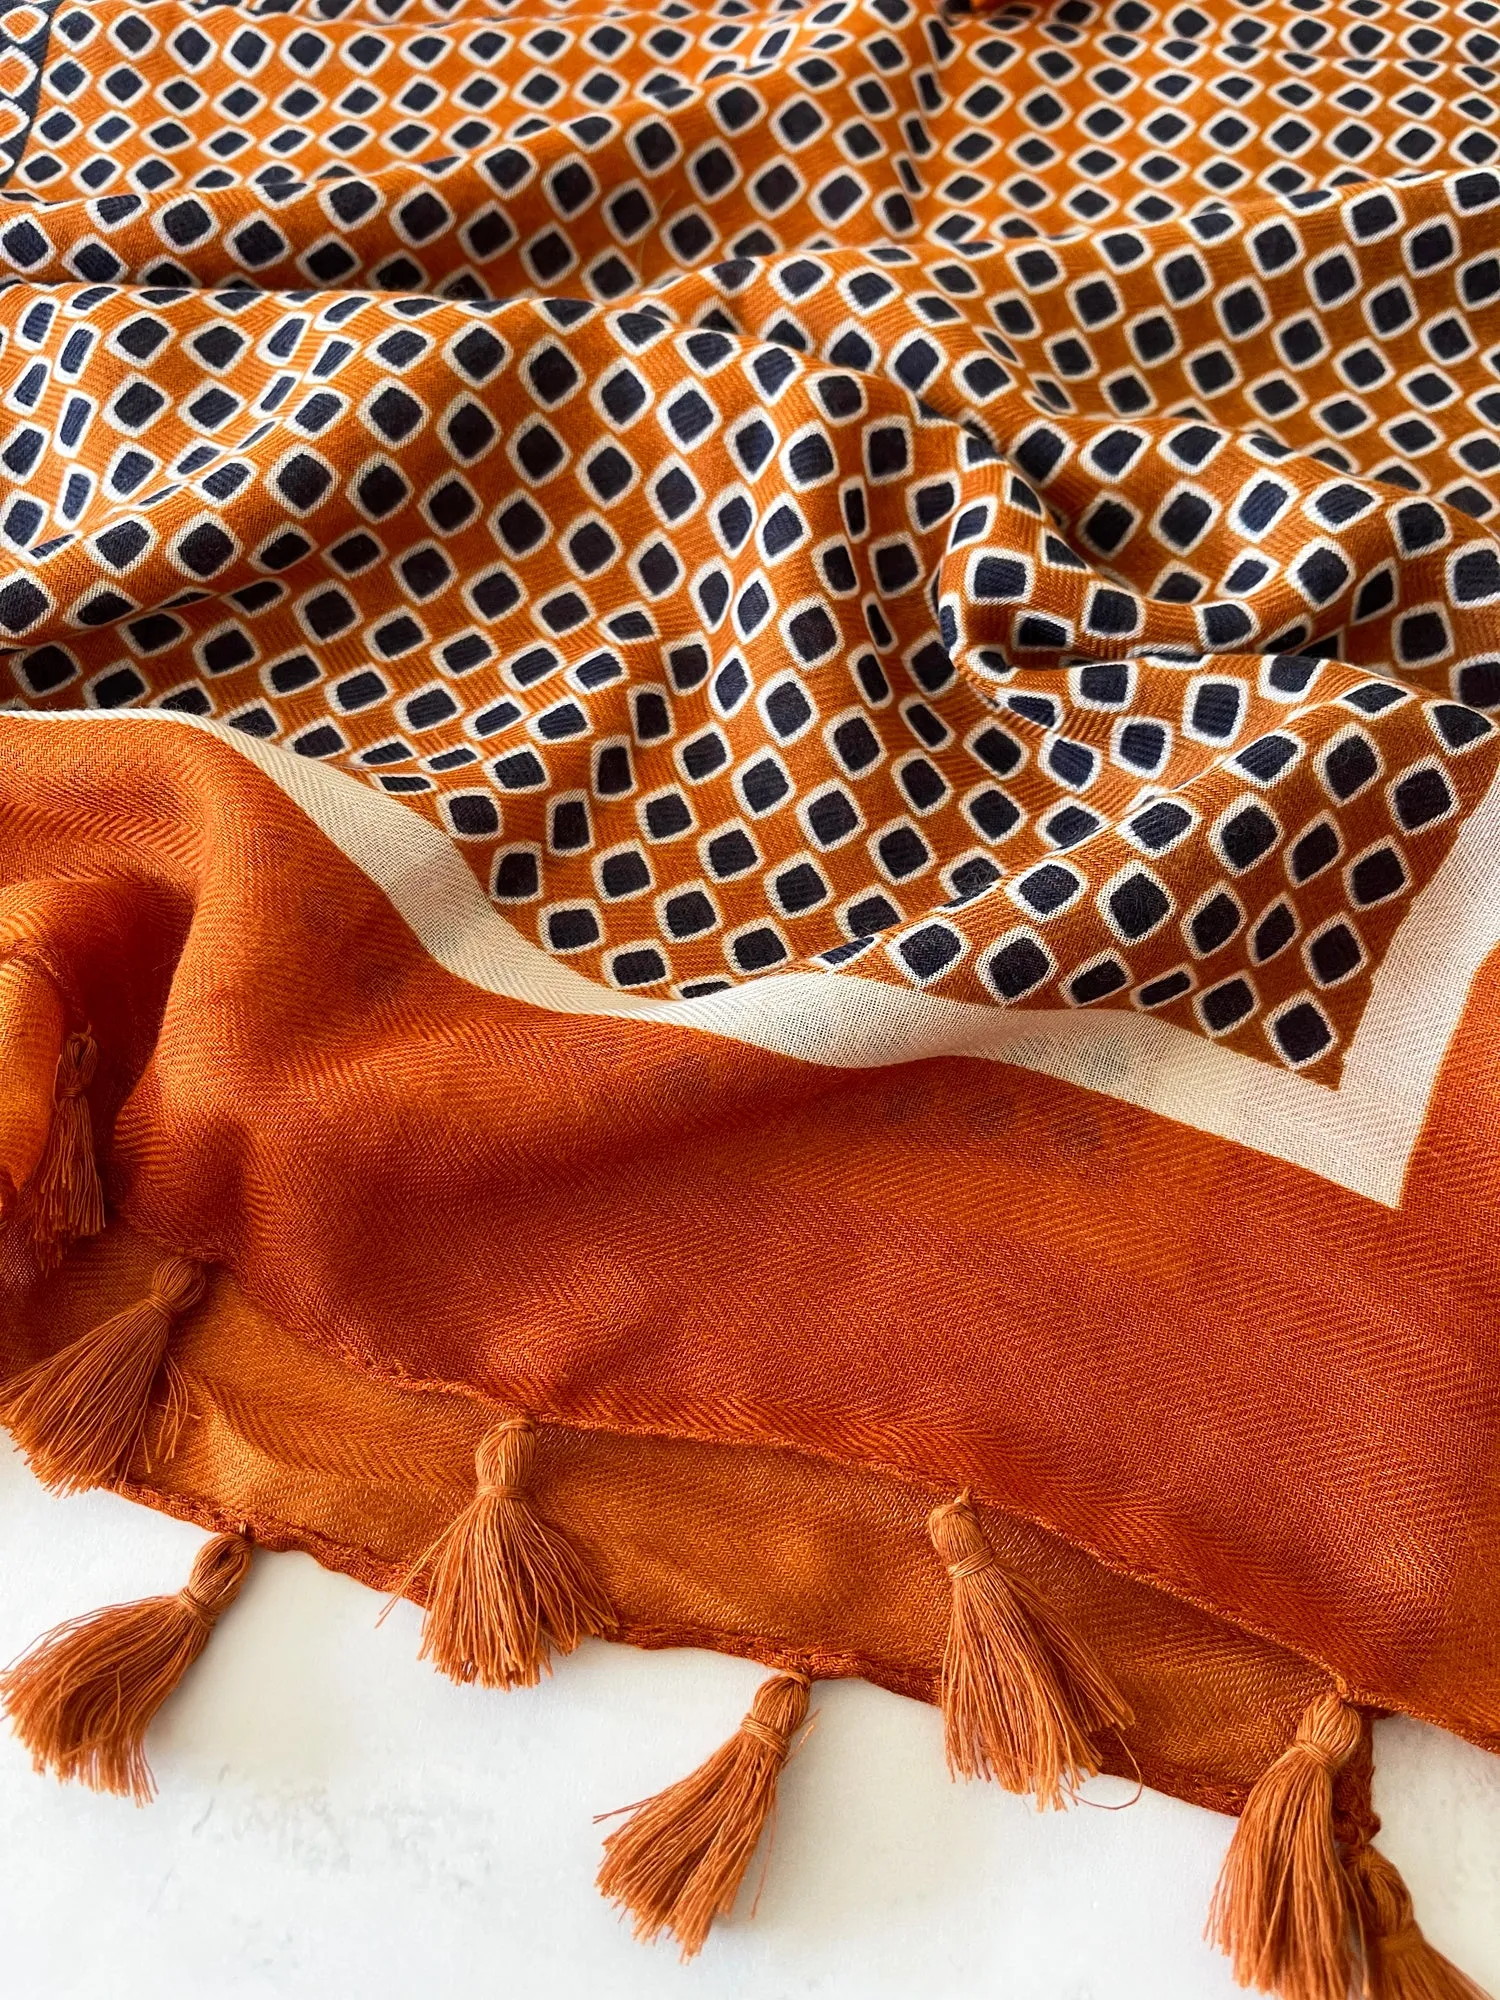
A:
79	1414
505	1588
504	1459
83	1697
679	1860
1023	1699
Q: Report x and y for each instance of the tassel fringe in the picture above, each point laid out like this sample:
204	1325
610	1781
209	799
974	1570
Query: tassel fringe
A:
506	1587
84	1696
1290	1910
62	1199
80	1414
1399	1962
66	1199
679	1860
1022	1697
1281	1909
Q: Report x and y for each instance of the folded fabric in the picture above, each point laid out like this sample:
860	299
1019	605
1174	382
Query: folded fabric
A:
748	873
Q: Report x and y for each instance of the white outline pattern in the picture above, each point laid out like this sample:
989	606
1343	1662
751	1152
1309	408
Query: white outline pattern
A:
1360	1135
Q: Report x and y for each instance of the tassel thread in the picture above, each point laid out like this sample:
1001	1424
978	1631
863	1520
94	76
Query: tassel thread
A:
79	1414
1292	1907
62	1199
68	1201
83	1697
1022	1697
1282	1907
505	1587
1399	1962
679	1860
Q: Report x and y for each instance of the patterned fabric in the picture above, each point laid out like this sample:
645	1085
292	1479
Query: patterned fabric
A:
842	661
871	490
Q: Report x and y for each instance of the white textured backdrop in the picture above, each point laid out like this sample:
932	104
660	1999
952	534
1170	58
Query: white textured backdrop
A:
336	1820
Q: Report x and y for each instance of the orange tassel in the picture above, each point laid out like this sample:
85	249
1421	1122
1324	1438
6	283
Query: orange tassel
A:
1399	1962
1022	1697
84	1696
79	1414
505	1586
68	1201
1282	1907
63	1200
679	1860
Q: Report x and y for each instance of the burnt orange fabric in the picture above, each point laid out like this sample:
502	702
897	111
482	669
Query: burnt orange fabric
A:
766	1253
769	732
755	1550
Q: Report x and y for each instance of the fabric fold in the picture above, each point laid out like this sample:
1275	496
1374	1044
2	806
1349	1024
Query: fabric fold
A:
749	777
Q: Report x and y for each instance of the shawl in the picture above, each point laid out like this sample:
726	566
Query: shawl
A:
748	873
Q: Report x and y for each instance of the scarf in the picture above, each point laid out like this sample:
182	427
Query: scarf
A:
747	874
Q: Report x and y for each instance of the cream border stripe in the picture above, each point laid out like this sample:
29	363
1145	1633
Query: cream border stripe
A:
1360	1135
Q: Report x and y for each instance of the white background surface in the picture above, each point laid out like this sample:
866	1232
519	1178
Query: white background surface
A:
336	1820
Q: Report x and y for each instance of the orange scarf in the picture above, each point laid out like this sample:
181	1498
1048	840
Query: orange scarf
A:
747	859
